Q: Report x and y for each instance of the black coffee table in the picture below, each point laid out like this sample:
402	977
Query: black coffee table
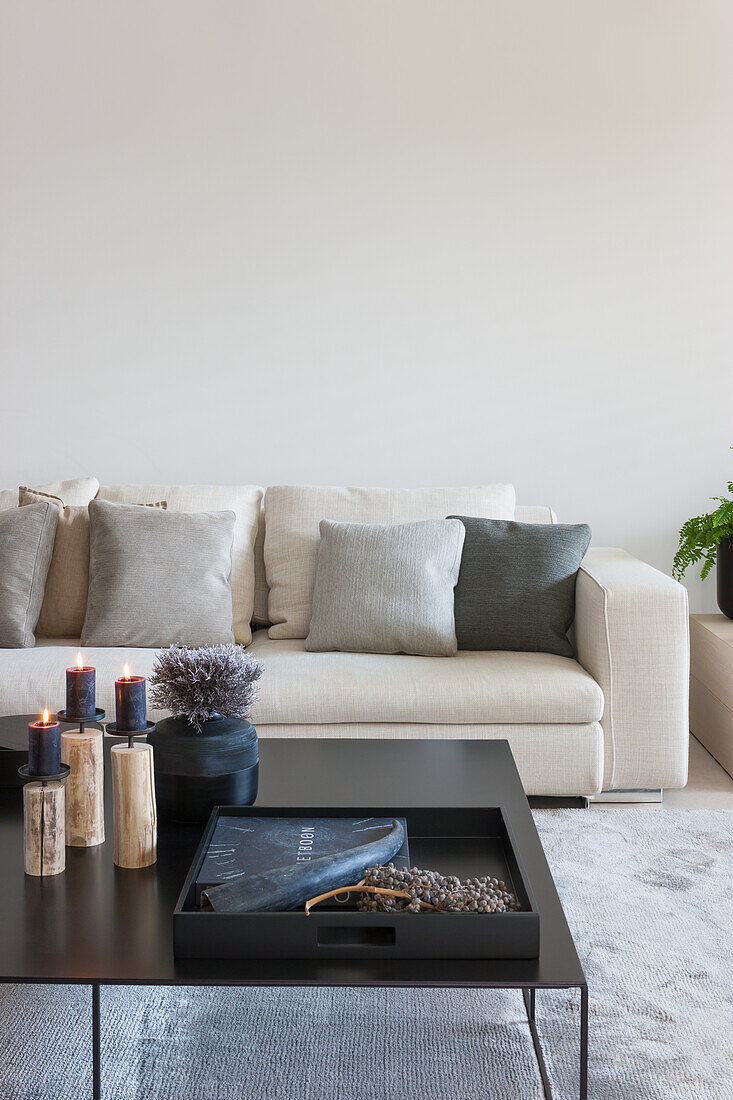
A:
99	925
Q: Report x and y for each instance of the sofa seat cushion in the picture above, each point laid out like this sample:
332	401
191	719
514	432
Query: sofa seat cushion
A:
36	678
485	688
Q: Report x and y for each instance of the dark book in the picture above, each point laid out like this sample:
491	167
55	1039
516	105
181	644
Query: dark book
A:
248	846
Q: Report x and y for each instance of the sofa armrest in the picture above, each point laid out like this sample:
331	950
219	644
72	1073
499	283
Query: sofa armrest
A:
632	636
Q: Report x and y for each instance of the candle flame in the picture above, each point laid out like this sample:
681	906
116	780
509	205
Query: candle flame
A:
126	674
79	661
44	718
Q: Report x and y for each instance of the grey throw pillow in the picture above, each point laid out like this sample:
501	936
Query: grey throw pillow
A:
157	578
386	588
26	546
516	587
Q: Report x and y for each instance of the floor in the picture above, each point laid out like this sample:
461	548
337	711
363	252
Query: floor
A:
708	787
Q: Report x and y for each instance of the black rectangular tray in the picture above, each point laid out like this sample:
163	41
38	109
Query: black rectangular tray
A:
463	842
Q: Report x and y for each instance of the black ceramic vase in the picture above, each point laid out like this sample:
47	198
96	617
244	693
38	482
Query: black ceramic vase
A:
196	770
724	573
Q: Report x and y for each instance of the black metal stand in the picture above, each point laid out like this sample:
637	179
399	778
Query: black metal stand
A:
96	1045
71	720
129	734
529	1004
43	779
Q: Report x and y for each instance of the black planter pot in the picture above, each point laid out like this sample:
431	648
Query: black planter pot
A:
724	572
196	770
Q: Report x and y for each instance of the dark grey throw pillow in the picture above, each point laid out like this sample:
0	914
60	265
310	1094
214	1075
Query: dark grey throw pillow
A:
516	586
26	545
158	578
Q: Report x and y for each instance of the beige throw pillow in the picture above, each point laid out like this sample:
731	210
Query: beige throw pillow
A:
387	588
158	578
243	500
67	584
26	545
293	513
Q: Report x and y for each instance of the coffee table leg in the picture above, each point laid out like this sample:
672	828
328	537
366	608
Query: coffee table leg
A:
96	1045
529	999
584	1042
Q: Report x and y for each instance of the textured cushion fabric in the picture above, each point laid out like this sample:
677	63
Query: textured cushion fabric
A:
534	513
632	635
386	588
314	688
516	588
76	492
67	584
243	500
292	516
553	760
26	546
260	614
158	578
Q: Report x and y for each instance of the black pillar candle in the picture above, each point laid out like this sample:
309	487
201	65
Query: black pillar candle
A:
80	691
44	746
130	708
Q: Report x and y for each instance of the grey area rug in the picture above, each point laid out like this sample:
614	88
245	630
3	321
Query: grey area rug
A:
647	893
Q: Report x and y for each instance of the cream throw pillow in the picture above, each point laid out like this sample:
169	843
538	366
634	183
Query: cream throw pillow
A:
293	513
243	500
67	584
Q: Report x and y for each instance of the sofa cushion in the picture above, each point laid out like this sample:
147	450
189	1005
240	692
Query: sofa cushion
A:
293	513
516	588
158	578
26	546
299	688
76	492
243	500
369	687
386	587
67	584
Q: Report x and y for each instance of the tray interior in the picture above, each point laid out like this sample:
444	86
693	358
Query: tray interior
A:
468	843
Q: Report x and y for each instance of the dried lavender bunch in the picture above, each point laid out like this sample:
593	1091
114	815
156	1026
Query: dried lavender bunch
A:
201	683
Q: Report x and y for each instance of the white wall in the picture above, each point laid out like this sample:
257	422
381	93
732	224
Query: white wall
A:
379	242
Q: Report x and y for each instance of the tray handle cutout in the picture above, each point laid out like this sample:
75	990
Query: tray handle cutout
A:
355	935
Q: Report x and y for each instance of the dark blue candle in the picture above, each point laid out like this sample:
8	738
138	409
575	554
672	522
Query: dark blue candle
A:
80	690
44	746
130	709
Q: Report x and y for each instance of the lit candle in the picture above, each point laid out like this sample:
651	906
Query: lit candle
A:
80	690
130	708
44	746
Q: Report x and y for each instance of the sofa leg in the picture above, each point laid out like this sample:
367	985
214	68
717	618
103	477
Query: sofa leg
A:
628	796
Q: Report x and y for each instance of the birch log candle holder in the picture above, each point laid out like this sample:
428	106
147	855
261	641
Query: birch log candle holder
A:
44	829
133	785
83	751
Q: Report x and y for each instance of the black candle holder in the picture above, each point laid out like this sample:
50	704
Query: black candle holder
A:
72	719
43	779
112	731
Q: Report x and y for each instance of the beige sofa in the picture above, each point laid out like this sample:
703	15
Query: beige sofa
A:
614	719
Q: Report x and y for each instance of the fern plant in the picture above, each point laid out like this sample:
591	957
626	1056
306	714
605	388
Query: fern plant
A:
700	536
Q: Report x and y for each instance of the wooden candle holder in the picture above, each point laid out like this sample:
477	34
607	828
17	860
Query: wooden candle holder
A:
83	751
136	818
44	831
